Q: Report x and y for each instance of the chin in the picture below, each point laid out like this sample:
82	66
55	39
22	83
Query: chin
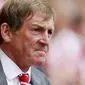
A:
42	60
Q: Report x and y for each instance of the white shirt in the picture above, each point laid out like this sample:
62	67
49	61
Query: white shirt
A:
11	70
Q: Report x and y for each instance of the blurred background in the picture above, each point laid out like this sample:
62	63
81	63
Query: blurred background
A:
65	63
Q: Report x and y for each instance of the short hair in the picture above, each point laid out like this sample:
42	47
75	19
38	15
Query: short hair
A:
13	12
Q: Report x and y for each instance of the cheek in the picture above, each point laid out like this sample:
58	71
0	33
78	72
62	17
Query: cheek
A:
29	45
30	42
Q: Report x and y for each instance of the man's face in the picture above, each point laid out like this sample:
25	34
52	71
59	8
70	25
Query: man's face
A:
32	40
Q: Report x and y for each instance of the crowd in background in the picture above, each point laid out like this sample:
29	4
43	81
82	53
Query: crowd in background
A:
65	63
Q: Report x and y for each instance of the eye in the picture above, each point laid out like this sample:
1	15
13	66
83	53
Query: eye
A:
50	32
36	30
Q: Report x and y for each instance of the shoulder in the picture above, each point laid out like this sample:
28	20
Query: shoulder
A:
36	74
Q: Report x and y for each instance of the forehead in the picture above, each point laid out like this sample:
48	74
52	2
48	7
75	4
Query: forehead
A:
38	19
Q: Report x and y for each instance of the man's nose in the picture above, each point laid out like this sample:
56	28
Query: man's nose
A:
45	39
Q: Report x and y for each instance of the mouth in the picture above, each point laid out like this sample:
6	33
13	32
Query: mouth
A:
42	52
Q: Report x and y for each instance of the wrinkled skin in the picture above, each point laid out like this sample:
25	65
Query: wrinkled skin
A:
30	44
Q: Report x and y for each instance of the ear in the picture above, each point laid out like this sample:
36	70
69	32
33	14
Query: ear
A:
6	32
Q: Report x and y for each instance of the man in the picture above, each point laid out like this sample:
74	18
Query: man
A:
26	27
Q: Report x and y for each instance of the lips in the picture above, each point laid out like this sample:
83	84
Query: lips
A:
42	52
45	51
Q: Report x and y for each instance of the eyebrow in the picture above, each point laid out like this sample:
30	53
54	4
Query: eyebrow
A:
42	25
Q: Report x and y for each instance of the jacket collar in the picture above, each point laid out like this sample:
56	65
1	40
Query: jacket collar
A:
2	76
35	80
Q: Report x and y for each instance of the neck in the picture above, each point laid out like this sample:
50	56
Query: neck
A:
14	55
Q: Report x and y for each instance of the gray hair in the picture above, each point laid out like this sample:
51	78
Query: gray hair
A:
13	12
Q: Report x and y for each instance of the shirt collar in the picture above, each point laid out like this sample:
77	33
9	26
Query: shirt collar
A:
11	70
